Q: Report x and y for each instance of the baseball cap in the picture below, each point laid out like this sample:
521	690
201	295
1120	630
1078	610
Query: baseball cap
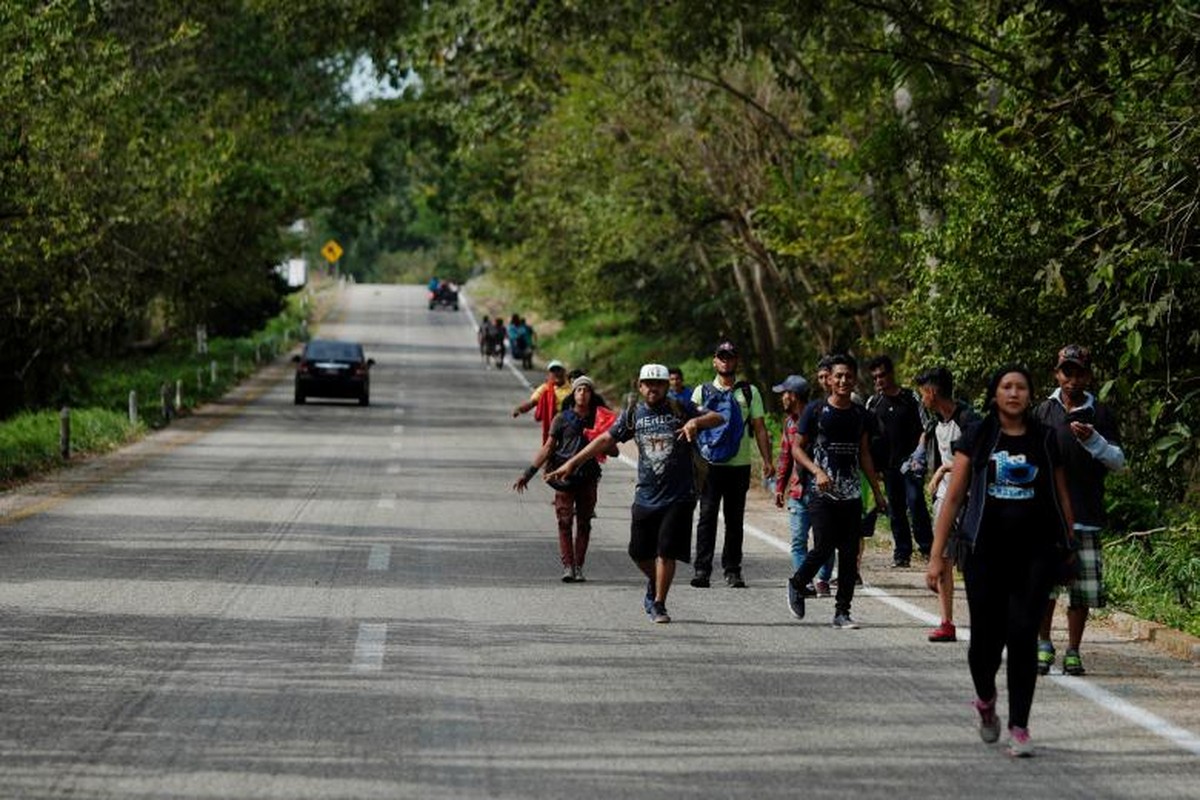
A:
726	347
792	383
555	364
654	372
582	380
1074	354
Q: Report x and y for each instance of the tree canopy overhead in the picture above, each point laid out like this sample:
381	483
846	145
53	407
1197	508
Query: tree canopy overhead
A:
963	184
956	184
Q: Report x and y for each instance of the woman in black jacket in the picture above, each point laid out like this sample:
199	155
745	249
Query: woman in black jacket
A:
1017	526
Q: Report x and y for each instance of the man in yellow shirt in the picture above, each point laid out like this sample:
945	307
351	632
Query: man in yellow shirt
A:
547	405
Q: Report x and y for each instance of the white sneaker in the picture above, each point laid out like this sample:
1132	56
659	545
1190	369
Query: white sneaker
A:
1019	743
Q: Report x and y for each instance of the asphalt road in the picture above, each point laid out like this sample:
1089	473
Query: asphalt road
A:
330	601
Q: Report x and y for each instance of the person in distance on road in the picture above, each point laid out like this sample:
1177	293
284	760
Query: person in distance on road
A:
1016	527
897	412
574	497
1091	448
678	389
661	527
548	397
790	477
948	419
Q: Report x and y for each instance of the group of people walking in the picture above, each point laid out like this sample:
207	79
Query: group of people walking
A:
1016	494
496	338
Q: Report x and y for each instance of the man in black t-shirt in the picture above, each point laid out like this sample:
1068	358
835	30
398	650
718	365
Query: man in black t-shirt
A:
897	414
1091	449
832	444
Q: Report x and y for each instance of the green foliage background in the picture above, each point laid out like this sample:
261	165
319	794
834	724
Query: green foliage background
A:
963	184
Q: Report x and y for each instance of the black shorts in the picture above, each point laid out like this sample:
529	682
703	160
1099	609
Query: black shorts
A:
661	532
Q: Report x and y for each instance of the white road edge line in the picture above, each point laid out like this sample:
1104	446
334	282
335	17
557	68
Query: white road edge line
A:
368	649
1156	725
1180	737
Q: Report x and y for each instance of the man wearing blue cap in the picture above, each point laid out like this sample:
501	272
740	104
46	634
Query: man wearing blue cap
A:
790	477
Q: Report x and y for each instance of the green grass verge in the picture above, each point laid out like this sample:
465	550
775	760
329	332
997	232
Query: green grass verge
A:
99	397
29	442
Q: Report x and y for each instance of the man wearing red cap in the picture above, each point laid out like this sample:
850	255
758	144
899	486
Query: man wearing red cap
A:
1090	447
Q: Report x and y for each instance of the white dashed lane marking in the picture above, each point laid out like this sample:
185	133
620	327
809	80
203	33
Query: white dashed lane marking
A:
379	558
368	649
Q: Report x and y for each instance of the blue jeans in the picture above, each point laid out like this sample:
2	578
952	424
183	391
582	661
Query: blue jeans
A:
906	495
800	524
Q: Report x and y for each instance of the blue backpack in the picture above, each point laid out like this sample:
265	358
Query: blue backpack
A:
719	444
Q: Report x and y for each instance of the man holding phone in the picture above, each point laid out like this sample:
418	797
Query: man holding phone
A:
1090	447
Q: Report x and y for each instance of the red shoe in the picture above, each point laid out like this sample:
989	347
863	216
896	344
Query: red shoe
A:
945	632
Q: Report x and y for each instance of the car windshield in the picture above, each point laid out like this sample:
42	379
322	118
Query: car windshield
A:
333	351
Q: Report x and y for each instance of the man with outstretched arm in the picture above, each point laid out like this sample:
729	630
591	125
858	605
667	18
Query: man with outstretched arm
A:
660	532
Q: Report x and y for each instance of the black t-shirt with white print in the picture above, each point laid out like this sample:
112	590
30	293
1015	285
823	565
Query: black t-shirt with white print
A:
835	436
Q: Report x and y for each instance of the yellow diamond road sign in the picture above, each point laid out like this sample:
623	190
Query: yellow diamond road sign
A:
332	251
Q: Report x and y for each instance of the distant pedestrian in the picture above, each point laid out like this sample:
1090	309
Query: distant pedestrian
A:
1091	449
1008	470
677	388
791	478
832	444
574	497
898	414
947	421
724	485
547	398
661	526
483	336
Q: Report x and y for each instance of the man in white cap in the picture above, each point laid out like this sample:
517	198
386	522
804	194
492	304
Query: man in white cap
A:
661	528
548	397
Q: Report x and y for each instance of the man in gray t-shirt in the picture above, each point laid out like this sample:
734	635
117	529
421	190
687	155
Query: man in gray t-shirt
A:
661	526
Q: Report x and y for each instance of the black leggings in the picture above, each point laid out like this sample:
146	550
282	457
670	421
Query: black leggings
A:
1007	591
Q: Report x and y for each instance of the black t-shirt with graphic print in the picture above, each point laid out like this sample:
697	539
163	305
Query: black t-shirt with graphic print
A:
1019	510
834	436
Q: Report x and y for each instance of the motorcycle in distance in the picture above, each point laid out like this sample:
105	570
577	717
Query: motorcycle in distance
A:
444	296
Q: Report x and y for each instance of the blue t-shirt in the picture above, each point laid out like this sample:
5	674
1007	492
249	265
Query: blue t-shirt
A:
834	436
664	459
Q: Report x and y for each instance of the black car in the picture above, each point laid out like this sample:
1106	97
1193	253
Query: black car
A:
329	368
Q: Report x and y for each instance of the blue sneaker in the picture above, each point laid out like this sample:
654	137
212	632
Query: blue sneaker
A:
648	600
658	613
